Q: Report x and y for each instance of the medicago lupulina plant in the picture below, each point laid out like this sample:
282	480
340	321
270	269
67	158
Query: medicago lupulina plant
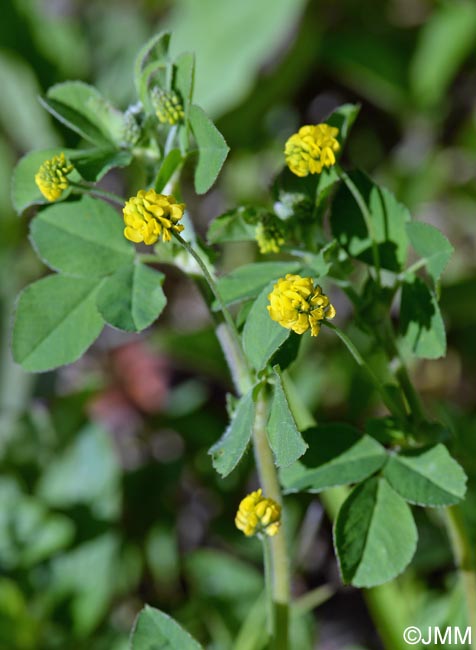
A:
328	231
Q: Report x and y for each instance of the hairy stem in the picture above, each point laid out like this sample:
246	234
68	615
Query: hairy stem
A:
213	286
279	568
277	563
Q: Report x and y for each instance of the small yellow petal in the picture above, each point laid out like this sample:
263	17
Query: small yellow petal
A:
257	514
311	149
152	216
297	304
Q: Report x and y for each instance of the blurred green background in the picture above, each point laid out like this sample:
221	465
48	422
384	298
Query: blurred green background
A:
108	498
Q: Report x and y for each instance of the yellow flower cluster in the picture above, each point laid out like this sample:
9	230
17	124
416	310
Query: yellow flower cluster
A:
51	177
269	238
256	514
295	303
311	149
149	216
168	107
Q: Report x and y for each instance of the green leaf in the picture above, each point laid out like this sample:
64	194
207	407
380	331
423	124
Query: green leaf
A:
374	534
25	191
86	472
388	219
132	298
185	79
230	64
21	117
227	452
343	118
154	630
445	40
427	477
56	321
169	165
247	281
29	533
215	574
262	336
235	225
73	572
431	245
155	50
284	437
212	149
83	238
338	454
91	164
421	325
83	109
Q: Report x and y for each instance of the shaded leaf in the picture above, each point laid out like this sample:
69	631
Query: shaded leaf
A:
153	630
83	238
338	454
212	149
247	281
83	109
427	477
56	320
86	472
284	437
132	298
421	325
374	534
445	40
215	574
262	336
431	245
227	452
388	219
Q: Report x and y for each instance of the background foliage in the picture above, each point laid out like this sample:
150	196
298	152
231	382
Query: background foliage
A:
108	498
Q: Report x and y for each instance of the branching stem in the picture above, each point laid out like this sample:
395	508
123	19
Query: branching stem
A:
359	199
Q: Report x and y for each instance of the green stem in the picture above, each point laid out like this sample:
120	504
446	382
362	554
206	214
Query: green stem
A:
280	586
359	199
313	599
277	565
389	401
401	372
268	579
411	269
463	553
213	286
95	191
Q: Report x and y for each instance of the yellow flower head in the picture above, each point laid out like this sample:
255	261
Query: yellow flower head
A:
149	216
256	514
295	303
269	237
311	149
52	179
168	107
